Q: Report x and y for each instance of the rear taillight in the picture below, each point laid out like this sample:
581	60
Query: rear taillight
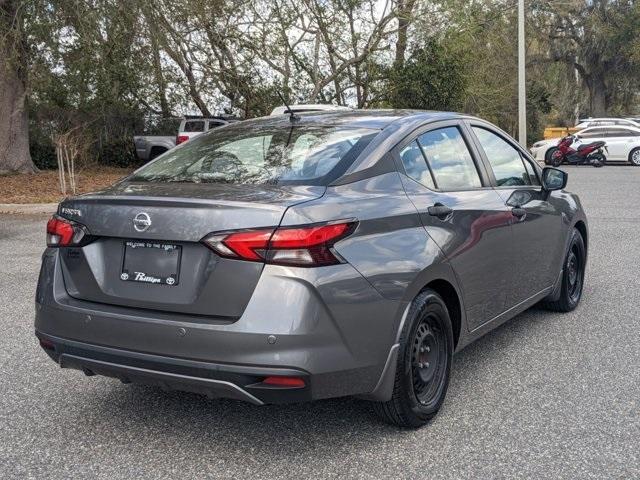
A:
65	233
181	139
299	246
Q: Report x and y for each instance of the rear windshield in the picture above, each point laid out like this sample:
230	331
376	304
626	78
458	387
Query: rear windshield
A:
255	154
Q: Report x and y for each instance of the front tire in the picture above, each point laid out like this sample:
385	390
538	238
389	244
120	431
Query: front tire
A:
556	160
424	364
634	157
572	276
549	155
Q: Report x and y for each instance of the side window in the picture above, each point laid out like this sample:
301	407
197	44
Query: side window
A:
505	160
618	132
533	177
451	163
415	165
194	126
213	124
593	133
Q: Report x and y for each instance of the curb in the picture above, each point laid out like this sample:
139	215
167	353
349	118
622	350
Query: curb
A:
28	208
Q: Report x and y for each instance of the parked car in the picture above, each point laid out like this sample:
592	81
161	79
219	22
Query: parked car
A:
276	261
310	107
159	136
191	127
622	141
149	147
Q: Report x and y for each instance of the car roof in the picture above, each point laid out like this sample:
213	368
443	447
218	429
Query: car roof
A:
631	127
375	118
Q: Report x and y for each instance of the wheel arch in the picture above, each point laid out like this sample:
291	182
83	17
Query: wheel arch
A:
452	300
157	150
582	228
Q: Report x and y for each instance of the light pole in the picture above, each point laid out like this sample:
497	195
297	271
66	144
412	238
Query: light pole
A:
522	88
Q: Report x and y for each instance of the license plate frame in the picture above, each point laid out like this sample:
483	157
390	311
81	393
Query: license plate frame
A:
163	258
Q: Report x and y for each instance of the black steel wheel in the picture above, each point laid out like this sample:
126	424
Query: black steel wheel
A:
424	364
429	361
572	276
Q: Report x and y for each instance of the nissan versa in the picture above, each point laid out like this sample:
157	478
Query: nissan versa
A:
294	258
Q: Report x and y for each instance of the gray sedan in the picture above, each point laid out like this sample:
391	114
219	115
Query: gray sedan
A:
301	257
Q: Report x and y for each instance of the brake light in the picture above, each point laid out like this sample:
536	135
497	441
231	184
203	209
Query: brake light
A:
299	246
181	139
64	233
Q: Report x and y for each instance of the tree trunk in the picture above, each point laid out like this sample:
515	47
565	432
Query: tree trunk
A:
14	122
405	10
597	96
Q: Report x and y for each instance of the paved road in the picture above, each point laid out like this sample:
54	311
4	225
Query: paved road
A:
544	396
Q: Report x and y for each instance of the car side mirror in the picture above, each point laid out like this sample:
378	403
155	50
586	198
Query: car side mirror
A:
554	179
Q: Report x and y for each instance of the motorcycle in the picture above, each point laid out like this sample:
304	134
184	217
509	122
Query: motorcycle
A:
590	153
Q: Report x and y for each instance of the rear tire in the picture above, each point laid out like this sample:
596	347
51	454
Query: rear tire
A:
598	160
634	157
572	276
424	364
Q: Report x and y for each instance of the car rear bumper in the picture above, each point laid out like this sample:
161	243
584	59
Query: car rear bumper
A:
336	337
211	379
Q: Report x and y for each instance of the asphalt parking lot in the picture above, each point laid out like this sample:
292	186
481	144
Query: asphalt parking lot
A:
544	396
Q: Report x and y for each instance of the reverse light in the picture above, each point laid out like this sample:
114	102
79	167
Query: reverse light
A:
181	139
64	233
298	246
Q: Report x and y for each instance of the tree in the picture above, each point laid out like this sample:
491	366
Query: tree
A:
597	38
430	79
14	122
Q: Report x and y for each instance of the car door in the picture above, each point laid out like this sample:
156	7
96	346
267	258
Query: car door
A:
536	223
460	211
619	143
590	135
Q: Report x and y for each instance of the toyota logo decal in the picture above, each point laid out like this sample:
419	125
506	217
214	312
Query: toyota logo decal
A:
141	222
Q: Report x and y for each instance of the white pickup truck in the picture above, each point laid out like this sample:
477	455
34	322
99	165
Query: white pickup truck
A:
149	147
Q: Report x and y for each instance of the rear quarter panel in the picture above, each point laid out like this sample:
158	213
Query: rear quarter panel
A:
390	247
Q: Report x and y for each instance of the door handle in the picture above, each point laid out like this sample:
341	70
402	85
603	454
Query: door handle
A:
519	212
439	210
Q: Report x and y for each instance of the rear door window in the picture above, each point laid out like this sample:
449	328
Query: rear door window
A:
415	165
619	132
194	126
506	162
449	159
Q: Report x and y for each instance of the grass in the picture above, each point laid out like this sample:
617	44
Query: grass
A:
44	187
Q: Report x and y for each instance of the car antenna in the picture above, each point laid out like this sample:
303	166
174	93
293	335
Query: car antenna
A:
292	116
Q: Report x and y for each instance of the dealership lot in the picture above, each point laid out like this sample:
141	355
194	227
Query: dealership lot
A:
544	396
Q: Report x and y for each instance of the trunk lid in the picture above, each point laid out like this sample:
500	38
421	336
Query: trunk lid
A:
179	216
